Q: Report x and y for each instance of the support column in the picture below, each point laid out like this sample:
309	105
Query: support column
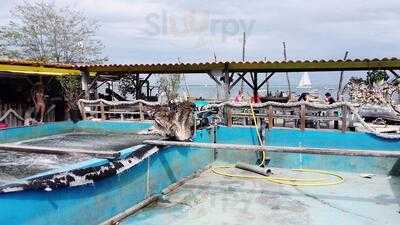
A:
85	81
255	87
138	86
302	116
226	85
344	118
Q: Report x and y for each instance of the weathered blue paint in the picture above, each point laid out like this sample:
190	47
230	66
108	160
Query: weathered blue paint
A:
177	162
88	204
311	138
94	203
236	135
46	129
42	130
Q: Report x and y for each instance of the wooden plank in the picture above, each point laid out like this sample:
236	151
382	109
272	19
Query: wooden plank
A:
141	115
85	80
57	151
103	115
280	149
344	118
229	116
302	117
270	117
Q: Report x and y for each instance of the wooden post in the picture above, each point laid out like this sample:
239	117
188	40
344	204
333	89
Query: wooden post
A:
226	85
141	116
85	80
270	117
341	78
344	118
103	115
229	116
138	87
302	116
255	87
82	109
287	74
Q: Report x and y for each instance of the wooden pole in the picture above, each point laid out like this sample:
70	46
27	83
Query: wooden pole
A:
280	149
341	78
270	117
141	116
138	87
287	74
255	86
57	151
302	117
226	82
244	47
243	58
85	81
103	115
344	118
229	116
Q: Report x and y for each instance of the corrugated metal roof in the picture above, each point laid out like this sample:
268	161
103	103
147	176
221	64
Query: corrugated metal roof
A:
254	66
23	67
36	63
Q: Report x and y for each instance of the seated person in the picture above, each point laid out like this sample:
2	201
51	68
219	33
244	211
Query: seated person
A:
307	97
255	99
329	99
239	97
303	97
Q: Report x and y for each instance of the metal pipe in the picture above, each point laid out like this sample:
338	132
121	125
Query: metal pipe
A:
116	219
253	168
280	149
57	151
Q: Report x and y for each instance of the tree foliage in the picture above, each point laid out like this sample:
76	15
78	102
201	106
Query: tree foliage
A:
42	31
169	85
377	76
126	85
72	90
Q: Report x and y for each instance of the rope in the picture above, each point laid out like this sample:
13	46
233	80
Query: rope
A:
351	106
264	156
285	180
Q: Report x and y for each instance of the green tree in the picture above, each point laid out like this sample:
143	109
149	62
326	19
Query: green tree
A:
376	76
42	31
169	85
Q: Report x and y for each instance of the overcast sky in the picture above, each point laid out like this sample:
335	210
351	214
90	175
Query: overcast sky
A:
154	31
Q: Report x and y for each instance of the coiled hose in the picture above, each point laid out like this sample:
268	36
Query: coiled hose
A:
220	170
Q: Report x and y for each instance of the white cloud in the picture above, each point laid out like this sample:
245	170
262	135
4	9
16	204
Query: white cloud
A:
312	28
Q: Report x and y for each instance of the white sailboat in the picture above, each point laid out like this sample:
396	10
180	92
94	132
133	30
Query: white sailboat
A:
305	82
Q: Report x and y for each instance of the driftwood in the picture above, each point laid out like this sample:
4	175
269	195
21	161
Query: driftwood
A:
175	121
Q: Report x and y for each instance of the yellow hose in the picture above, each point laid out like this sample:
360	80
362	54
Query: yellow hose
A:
264	156
281	180
285	180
